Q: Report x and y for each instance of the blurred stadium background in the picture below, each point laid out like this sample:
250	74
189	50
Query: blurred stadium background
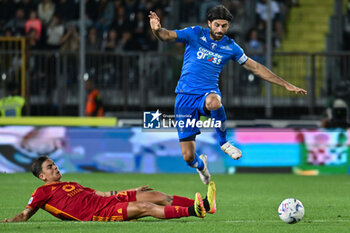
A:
47	52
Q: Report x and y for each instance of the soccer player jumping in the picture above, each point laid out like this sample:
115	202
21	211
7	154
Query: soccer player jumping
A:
71	201
207	52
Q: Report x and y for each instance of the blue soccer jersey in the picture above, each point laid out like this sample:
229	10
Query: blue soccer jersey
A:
204	60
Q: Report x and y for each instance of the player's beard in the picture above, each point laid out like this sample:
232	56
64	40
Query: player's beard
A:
216	36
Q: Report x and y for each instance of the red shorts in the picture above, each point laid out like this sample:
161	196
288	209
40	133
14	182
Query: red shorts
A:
116	210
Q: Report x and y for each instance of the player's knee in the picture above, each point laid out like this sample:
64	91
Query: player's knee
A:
143	206
188	156
212	102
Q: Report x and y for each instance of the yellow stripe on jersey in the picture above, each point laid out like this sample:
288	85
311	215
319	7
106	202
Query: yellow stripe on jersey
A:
106	219
56	211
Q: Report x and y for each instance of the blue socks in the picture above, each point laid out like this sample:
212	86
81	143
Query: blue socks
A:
220	115
197	163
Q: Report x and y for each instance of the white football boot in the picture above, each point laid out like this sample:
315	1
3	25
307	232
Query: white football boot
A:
204	174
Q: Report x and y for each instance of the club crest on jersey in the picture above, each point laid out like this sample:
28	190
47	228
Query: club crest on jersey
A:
213	46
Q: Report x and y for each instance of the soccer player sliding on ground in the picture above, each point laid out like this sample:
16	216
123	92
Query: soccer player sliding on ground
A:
71	201
207	52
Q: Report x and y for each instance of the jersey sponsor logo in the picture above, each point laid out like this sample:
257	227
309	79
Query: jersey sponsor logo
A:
209	56
74	192
30	201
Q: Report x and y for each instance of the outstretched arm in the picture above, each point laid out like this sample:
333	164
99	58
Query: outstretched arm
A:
161	33
21	217
111	193
264	73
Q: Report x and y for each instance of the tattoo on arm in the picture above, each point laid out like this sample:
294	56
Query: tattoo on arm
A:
169	200
114	192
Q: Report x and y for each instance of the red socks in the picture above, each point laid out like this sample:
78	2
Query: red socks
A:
175	212
179	207
182	201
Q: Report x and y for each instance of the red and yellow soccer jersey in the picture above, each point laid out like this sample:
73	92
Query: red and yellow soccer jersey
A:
69	201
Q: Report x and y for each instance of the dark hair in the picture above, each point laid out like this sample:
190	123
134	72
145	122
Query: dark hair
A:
37	165
219	12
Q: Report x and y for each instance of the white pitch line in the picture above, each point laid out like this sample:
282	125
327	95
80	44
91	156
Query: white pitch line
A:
196	222
307	221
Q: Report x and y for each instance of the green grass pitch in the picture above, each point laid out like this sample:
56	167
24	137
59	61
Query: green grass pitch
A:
245	203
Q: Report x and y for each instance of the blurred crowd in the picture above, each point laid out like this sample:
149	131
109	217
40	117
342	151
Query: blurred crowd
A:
248	26
122	25
118	25
255	40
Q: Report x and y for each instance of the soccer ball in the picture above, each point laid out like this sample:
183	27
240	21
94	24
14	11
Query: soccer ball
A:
291	210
